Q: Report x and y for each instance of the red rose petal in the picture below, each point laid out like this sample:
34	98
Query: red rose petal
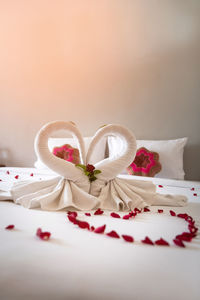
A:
178	242
43	235
72	219
92	228
83	224
195	194
146	209
147	241
128	238
192	228
160	211
88	214
172	213
10	227
100	229
114	215
137	210
192	189
183	216
72	213
7	172
98	212
160	186
126	217
31	174
17	176
113	234
161	242
185	236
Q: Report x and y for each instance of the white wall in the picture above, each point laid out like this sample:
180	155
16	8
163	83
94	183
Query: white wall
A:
95	62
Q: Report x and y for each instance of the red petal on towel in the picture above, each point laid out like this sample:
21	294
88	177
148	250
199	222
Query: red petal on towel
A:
114	215
100	229
10	227
92	228
98	212
0	179
72	219
131	214
113	234
195	194
128	238
146	209
88	214
83	224
189	219
192	228
160	186
126	217
172	213
43	235
147	241
192	189
17	176
161	242
137	210
8	172
178	243
31	174
72	213
160	211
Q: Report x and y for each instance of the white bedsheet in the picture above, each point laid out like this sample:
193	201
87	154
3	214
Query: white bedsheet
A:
78	264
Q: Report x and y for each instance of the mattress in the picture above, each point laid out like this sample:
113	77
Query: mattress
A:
79	264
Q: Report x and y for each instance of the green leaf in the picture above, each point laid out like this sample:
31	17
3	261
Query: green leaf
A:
93	178
87	173
81	166
97	172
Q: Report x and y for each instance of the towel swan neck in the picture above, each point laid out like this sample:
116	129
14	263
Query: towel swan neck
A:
63	168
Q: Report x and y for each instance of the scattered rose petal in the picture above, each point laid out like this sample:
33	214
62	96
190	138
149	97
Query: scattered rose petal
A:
31	174
172	213
185	236
195	194
98	212
189	219
192	228
161	242
126	217
72	219
17	176
128	238
114	215
146	209
10	227
113	234
43	235
183	216
160	186
147	241
7	172
100	229
178	242
132	214
0	179
72	213
83	224
92	228
192	189
137	210
88	214
160	211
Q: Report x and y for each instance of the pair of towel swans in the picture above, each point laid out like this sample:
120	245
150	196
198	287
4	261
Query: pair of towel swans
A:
71	188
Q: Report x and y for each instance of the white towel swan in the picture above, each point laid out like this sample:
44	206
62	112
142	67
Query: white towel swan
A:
72	188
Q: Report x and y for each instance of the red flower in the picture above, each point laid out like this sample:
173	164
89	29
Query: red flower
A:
128	238
172	213
90	168
114	215
161	242
10	227
147	241
99	212
113	234
43	235
100	229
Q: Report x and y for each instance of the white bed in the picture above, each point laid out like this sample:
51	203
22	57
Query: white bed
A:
78	264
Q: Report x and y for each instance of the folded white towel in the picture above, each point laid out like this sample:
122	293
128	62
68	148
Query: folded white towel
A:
72	188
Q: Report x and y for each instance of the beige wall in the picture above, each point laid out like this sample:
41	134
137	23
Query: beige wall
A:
95	62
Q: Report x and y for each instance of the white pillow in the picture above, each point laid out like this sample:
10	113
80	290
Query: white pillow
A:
98	154
170	154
